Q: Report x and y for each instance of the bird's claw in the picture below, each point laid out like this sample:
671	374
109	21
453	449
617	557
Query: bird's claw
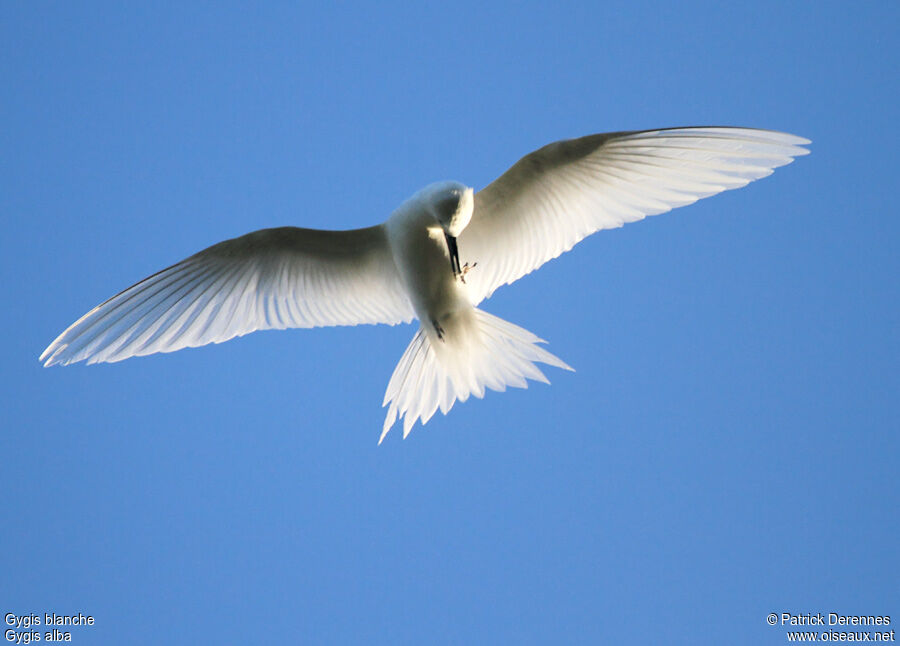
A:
466	268
438	329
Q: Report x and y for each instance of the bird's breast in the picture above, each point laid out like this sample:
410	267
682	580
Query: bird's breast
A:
423	260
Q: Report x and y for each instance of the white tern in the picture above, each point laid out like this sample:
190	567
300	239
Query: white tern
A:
441	253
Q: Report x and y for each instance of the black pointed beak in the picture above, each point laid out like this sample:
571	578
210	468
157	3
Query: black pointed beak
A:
454	254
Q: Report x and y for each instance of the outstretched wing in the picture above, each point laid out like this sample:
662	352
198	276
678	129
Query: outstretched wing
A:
273	278
556	196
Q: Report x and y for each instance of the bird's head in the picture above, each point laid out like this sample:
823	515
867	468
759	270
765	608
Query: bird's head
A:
451	204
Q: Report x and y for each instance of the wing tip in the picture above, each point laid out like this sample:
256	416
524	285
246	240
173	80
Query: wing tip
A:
50	356
737	132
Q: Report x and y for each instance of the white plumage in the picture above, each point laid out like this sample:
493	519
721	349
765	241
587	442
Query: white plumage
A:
269	279
439	255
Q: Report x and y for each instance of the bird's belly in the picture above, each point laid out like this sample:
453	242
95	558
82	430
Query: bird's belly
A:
436	294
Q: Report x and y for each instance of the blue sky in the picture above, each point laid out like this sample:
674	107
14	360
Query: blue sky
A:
726	448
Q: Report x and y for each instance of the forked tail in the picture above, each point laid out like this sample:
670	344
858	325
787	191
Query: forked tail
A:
483	351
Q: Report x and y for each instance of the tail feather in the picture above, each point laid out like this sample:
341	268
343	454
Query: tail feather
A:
433	374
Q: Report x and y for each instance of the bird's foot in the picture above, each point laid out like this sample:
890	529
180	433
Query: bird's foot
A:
438	329
465	270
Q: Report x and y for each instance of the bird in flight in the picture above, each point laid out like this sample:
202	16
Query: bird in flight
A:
439	254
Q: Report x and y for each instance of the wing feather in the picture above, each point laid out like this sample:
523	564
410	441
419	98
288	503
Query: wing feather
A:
558	195
268	279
